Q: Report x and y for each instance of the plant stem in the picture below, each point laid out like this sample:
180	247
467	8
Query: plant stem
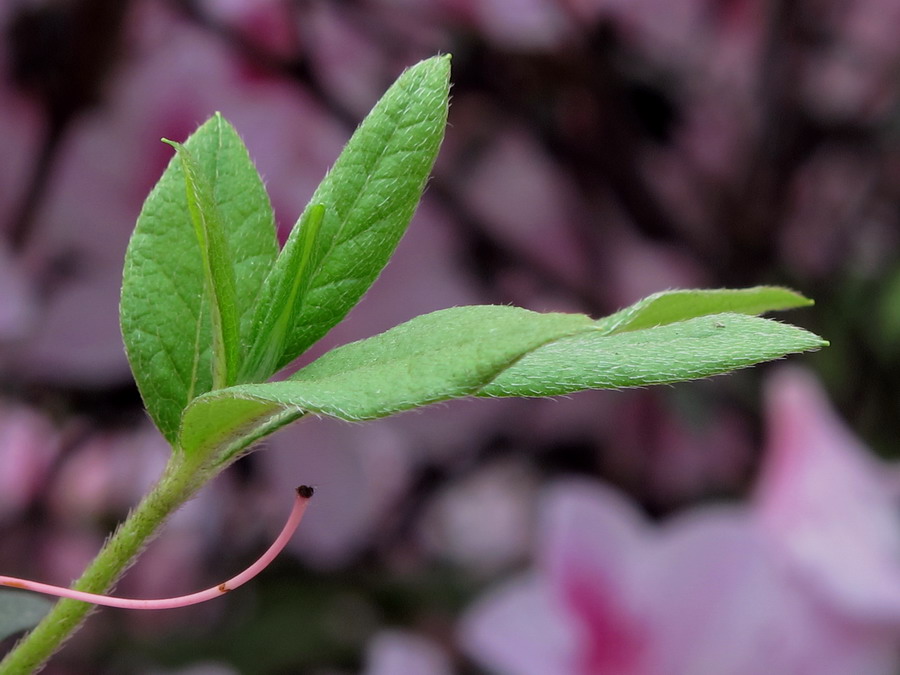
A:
180	480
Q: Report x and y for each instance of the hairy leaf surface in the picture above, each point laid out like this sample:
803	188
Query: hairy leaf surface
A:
165	307
679	305
434	357
368	197
686	350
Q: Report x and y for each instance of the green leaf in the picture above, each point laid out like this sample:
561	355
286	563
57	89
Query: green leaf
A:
279	301
217	269
165	311
674	352
446	354
679	305
492	351
21	611
369	197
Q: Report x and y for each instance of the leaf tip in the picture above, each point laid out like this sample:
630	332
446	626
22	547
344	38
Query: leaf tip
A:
796	299
438	64
802	300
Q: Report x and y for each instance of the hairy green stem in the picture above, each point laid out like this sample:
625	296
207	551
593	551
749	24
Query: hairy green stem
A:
179	482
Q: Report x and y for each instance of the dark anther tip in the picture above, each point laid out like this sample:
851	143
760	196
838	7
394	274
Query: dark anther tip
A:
305	491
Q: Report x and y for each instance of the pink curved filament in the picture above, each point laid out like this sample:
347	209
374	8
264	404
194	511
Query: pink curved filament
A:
300	503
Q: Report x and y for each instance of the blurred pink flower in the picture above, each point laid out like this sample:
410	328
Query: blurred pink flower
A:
828	505
399	653
789	584
29	444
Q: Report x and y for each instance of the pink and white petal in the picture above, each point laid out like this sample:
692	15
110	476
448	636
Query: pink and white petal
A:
520	629
717	602
824	504
587	528
594	548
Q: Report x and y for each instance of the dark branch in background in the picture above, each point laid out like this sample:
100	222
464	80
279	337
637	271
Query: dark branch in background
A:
23	218
61	54
752	215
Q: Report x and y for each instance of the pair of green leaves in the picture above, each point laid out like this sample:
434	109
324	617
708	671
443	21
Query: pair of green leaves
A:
211	310
208	301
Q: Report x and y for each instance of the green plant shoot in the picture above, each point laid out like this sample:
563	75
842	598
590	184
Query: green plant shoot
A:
211	310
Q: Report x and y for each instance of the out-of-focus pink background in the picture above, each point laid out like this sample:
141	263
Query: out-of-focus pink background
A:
598	151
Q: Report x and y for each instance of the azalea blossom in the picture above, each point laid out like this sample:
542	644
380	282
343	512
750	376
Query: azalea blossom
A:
786	584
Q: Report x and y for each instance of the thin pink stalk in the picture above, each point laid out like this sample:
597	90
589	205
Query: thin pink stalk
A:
300	503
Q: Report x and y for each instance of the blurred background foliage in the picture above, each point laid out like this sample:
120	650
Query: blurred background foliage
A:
598	151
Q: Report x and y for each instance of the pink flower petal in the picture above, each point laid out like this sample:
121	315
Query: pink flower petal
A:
718	604
702	594
521	629
594	548
823	500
